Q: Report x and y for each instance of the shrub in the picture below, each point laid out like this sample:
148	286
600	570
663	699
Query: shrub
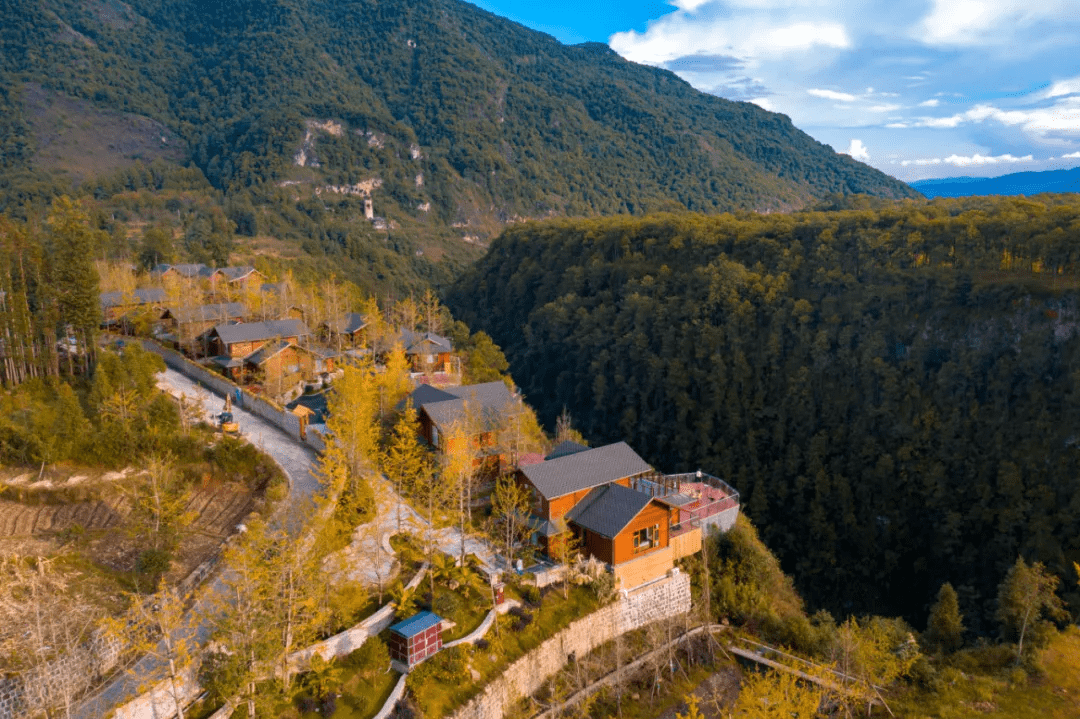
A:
151	564
531	594
482	644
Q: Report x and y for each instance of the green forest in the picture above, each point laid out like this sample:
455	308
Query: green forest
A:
892	387
468	120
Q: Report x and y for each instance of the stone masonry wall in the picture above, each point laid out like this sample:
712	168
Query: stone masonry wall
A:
69	675
665	598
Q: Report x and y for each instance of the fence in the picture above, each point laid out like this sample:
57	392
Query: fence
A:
260	406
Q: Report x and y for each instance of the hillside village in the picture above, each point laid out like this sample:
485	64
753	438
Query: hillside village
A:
615	507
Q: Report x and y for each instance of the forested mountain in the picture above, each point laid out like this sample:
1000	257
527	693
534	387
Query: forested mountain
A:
1016	183
893	390
456	120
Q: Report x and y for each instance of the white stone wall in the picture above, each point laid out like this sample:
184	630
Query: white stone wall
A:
666	598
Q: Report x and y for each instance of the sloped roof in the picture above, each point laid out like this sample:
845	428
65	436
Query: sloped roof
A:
582	470
138	297
426	342
254	331
232	274
187	270
415	624
608	509
488	401
348	323
206	313
565	449
267	351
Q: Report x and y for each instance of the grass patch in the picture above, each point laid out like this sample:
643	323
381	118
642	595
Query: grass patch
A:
1009	692
507	643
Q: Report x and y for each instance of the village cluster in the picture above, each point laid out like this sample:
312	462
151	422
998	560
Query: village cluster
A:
619	510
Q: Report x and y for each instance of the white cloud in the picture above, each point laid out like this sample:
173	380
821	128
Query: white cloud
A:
974	160
978	159
752	33
831	95
987	22
763	103
884	108
858	151
1063	87
930	103
688	5
1071	155
1063	118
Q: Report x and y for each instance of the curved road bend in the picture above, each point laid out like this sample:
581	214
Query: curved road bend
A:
295	458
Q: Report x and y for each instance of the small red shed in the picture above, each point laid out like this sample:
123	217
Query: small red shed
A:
416	638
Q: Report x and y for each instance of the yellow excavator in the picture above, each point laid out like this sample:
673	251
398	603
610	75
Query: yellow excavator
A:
225	420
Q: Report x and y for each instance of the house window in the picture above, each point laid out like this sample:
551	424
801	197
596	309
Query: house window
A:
429	359
646	538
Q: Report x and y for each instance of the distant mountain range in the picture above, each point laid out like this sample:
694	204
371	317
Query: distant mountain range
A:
446	113
1018	183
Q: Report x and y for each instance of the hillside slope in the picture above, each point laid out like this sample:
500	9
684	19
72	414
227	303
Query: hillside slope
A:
893	391
453	116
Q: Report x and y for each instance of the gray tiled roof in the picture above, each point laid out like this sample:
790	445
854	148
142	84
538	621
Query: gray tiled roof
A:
265	352
591	468
425	343
254	331
138	297
566	448
348	323
187	270
489	400
207	313
608	509
234	273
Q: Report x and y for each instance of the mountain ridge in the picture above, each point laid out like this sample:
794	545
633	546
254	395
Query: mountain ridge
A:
1014	183
481	96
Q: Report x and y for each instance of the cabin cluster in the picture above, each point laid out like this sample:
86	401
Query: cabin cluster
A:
616	508
252	331
607	501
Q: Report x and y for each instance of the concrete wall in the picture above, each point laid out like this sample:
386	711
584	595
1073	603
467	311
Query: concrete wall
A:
666	598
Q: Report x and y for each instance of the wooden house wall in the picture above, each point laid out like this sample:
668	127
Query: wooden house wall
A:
283	370
558	506
654	513
597	546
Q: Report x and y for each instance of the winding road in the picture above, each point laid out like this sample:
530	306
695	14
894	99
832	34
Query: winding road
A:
297	460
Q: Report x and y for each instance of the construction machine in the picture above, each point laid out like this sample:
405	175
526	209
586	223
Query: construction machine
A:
225	420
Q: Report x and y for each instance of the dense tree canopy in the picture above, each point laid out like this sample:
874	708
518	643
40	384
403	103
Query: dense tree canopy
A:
891	387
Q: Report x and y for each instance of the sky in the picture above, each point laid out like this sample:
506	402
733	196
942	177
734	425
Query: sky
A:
915	88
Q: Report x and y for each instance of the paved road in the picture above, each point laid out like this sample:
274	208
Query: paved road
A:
362	560
296	459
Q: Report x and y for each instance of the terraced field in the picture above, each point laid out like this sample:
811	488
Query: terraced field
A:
218	509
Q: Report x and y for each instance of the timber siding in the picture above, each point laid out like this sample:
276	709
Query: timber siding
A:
623	544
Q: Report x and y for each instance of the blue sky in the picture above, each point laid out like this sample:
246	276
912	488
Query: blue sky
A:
916	88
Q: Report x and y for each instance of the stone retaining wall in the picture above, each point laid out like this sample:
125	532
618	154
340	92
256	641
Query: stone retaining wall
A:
69	674
666	598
